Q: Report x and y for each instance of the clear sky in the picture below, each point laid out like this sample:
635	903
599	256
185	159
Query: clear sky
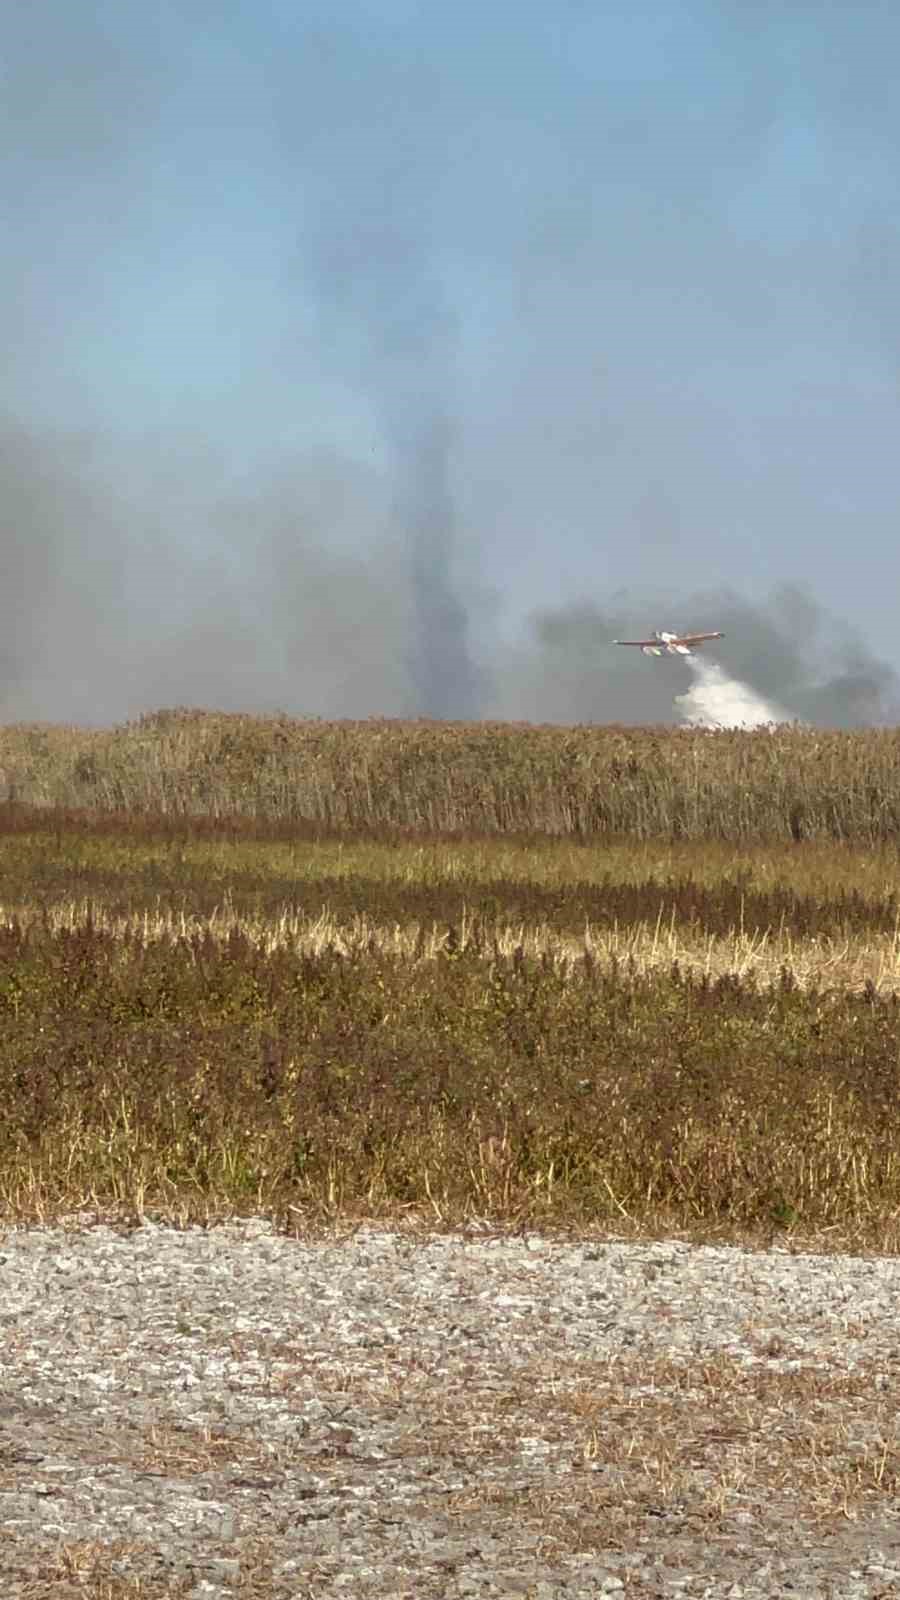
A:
383	357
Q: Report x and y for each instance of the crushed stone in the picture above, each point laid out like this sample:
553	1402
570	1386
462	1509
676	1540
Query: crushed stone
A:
230	1411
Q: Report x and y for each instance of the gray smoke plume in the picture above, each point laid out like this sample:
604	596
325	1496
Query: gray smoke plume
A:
791	656
368	254
446	681
144	565
321	325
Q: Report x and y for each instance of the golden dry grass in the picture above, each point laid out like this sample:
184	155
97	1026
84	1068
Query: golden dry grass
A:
856	964
200	1015
789	784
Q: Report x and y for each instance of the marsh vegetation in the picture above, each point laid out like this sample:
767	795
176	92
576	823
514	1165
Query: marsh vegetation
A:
257	1008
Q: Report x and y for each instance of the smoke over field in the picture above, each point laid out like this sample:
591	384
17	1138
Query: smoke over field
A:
783	659
356	359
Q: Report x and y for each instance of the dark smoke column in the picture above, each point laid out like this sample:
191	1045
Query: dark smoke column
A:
372	147
444	678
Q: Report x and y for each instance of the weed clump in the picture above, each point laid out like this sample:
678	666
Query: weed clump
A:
202	1076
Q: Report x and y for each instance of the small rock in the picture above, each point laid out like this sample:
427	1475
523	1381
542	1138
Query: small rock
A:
225	1569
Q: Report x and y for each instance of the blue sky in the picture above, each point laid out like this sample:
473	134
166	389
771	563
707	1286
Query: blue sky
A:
640	263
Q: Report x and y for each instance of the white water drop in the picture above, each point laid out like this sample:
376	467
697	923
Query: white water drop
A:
717	701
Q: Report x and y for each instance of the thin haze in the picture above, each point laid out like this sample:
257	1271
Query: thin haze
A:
394	364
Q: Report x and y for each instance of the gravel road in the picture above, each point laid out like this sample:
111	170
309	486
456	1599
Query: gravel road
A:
233	1412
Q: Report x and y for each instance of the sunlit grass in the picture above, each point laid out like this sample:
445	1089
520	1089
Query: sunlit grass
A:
52	844
216	1013
197	1067
641	948
790	784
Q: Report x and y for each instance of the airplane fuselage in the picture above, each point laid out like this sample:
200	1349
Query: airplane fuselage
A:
665	642
674	644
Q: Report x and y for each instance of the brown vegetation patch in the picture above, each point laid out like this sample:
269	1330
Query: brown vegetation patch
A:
96	1569
199	1076
208	1015
787	783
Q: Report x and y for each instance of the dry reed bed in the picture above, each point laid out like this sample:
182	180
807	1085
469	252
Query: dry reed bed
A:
788	783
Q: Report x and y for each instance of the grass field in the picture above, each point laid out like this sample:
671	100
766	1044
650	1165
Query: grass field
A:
789	784
565	1027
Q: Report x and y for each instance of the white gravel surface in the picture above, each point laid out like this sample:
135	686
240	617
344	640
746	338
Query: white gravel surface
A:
231	1411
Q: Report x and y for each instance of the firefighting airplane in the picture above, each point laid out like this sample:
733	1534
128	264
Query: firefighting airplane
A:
675	644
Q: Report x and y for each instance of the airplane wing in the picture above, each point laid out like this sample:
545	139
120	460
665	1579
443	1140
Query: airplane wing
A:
641	642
